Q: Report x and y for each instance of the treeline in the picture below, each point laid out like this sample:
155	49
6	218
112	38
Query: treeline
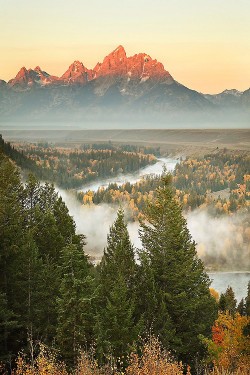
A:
198	179
18	157
35	229
133	196
127	148
69	168
220	182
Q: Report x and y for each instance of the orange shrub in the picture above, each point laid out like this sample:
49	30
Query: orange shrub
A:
229	349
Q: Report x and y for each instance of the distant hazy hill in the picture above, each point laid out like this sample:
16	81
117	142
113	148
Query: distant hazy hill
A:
121	88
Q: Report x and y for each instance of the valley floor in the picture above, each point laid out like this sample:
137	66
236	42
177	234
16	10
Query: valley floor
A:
183	141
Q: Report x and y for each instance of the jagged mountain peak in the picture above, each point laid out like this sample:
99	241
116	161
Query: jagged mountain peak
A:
116	65
23	69
144	67
119	49
77	66
140	66
22	79
27	78
22	72
77	73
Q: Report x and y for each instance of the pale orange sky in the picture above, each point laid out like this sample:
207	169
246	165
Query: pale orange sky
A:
205	45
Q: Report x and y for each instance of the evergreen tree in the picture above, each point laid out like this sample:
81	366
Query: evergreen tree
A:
241	308
151	304
246	330
247	300
175	278
116	326
227	301
7	324
118	256
117	322
52	228
34	228
26	289
74	304
49	219
12	237
222	302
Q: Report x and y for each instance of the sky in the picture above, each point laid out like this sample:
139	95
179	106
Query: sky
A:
204	44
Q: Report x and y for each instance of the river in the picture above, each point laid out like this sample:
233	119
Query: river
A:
156	168
238	280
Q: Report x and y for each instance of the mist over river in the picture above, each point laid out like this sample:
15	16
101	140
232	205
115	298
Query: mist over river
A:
156	168
95	221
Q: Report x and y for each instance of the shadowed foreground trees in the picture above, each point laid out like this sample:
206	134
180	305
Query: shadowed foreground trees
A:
50	293
35	227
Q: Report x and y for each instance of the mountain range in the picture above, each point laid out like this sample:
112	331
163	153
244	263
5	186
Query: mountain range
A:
136	88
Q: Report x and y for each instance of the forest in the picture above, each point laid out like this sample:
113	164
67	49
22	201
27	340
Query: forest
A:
137	312
72	168
218	181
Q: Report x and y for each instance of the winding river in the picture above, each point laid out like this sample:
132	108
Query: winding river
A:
133	177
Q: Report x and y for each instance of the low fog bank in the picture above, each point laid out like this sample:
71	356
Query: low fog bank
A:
222	243
94	222
183	114
16	128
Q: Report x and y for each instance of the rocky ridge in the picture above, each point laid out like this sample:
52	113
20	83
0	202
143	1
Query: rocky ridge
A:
119	87
140	66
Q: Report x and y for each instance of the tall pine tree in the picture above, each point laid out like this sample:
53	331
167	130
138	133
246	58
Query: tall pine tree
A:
247	300
116	326
173	278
